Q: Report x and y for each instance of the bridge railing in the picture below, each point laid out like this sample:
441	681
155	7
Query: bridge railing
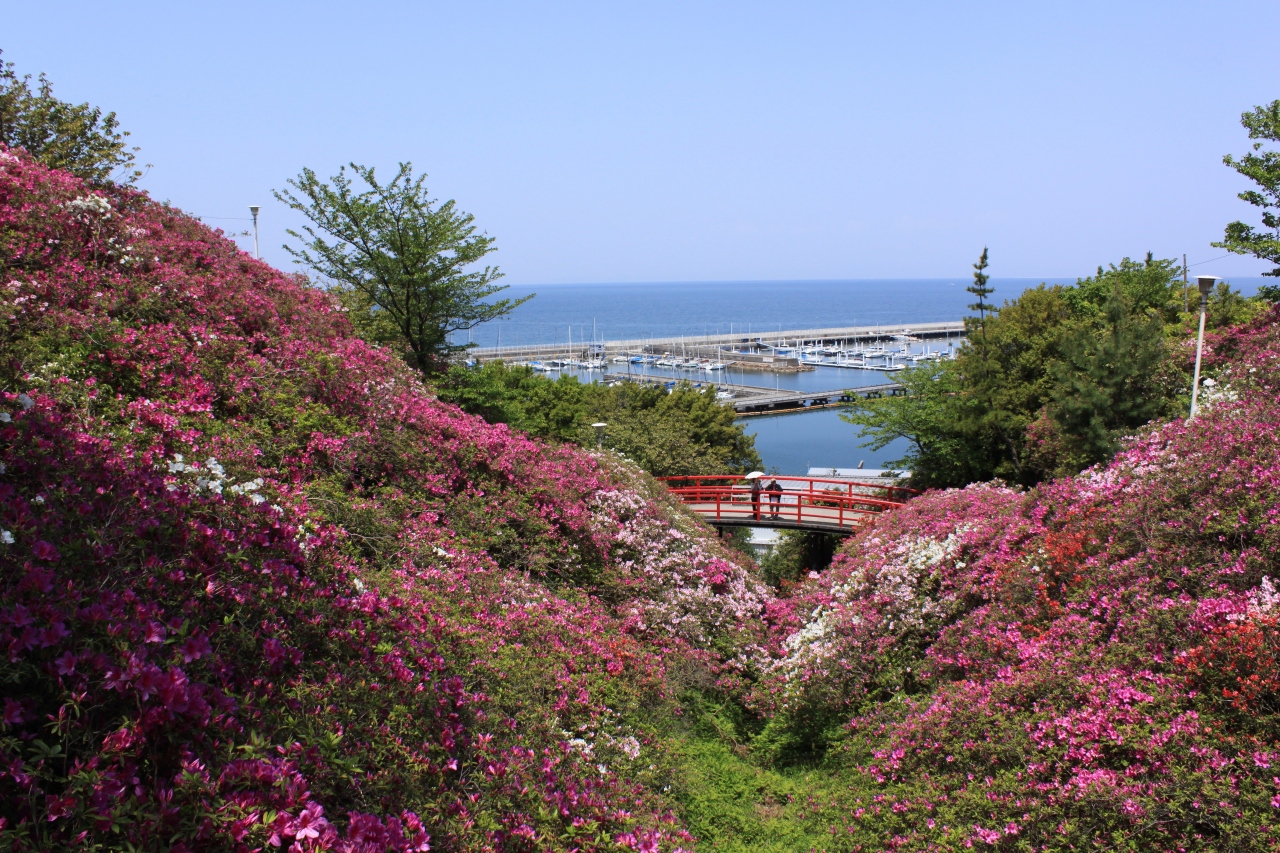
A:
805	501
808	485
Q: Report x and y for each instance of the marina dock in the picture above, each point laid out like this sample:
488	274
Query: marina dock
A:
757	400
776	350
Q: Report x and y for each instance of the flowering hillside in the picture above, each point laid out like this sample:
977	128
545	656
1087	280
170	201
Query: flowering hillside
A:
1091	665
258	588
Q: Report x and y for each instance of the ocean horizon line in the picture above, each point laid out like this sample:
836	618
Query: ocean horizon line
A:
1062	279
934	279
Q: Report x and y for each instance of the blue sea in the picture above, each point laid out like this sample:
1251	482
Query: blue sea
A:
671	309
789	444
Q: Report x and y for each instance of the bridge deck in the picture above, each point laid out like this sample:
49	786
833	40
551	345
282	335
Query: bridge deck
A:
805	503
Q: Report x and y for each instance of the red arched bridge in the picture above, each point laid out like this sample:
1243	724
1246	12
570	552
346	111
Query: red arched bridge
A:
800	503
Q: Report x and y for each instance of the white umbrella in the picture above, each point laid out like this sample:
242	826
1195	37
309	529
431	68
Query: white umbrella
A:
755	475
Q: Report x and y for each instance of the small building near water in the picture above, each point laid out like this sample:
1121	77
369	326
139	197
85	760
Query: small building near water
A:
858	473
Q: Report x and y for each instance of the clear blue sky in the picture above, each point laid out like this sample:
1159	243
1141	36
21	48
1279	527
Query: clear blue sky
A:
662	141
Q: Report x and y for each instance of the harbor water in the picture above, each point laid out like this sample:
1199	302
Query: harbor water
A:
788	443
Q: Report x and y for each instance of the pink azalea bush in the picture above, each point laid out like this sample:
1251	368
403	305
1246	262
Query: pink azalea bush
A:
1093	664
677	586
260	590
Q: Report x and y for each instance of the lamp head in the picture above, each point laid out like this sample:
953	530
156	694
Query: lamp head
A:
1206	283
253	209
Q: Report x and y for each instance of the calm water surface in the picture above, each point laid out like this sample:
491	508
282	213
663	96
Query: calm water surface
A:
791	444
671	309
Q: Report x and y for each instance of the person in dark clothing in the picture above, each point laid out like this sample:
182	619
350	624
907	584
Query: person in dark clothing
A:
756	489
775	497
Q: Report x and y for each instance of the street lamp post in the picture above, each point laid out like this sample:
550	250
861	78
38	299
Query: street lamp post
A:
1205	283
253	211
599	428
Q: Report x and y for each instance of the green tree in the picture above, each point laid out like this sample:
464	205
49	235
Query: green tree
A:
1150	285
398	261
1263	168
966	420
977	419
1228	308
983	416
1009	379
1106	382
926	414
518	396
686	431
77	138
797	553
981	289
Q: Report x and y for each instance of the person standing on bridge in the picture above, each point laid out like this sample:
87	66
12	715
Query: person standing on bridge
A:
775	497
756	489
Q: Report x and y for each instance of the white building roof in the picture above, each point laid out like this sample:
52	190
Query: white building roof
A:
857	473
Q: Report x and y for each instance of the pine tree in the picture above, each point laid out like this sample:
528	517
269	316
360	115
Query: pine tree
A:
1106	381
980	289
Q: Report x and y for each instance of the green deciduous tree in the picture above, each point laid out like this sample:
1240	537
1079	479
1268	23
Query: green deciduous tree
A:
1095	363
77	138
1228	308
797	553
1007	379
1149	285
966	420
685	431
400	262
1263	168
928	417
518	396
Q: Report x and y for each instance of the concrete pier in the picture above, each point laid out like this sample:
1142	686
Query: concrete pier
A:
726	347
757	400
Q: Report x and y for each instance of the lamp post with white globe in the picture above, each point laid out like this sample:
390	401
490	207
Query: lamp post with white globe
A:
1206	284
253	210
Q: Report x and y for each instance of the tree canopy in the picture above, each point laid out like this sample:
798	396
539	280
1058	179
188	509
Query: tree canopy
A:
1050	380
401	263
1106	381
76	138
1263	168
685	431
